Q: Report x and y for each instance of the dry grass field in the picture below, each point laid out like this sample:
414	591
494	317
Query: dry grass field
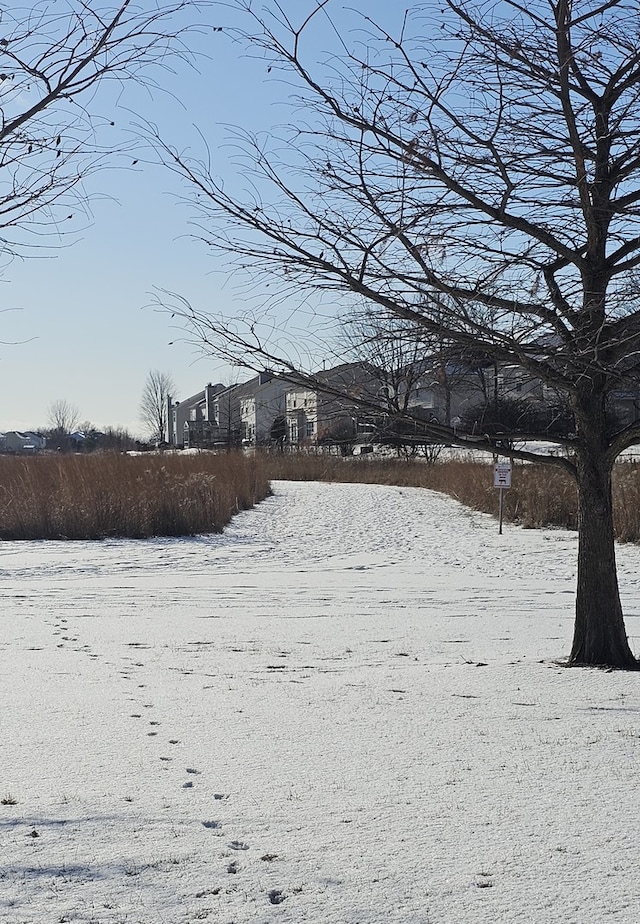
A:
171	494
108	494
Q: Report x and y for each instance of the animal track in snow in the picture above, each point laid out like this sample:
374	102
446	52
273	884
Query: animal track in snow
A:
238	845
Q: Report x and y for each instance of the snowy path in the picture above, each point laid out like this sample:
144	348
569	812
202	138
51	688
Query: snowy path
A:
345	710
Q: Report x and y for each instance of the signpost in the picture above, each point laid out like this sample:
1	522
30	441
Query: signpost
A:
502	481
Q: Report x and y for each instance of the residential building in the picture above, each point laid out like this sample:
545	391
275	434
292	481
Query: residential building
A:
194	418
447	390
335	406
263	409
16	441
220	416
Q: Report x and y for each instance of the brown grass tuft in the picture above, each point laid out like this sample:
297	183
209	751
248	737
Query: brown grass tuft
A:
626	507
109	495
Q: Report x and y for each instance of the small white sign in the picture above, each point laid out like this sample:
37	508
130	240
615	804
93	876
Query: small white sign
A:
502	475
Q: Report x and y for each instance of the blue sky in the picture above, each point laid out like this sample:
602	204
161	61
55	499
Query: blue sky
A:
77	323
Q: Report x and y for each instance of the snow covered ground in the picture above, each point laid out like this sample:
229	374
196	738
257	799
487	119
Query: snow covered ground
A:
345	710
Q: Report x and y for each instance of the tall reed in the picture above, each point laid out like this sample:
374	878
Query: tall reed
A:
104	495
626	493
107	495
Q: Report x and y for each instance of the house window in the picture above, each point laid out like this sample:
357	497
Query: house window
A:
293	432
310	428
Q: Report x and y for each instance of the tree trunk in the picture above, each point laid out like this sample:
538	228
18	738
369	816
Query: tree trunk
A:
599	637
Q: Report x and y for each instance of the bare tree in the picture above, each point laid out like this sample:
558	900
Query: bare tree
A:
394	352
63	416
396	358
413	371
53	60
154	404
476	173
